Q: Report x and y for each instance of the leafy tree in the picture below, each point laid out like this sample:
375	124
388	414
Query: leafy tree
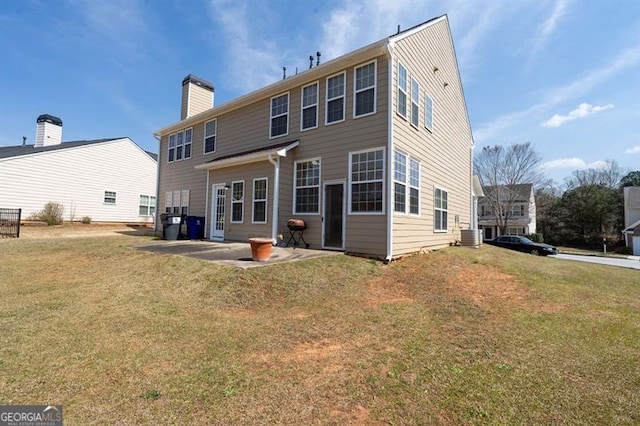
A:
548	200
501	170
589	212
631	179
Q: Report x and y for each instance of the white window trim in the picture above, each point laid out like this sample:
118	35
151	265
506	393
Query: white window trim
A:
413	187
115	198
426	96
406	96
182	132
184	148
266	201
406	186
271	116
244	192
375	88
350	181
148	205
295	186
343	96
440	231
415	102
215	138
317	105
169	148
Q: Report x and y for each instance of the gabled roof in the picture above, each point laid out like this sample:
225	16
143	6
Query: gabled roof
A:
335	65
631	227
20	150
523	190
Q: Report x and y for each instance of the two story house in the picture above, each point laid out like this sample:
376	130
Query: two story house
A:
512	208
373	150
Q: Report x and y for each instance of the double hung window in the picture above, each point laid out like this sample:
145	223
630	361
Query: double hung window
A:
307	186
335	98
279	115
365	90
366	181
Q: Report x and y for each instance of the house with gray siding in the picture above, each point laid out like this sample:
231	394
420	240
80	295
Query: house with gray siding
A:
373	150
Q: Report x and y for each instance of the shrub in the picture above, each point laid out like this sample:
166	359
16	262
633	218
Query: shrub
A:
86	220
623	250
51	214
536	238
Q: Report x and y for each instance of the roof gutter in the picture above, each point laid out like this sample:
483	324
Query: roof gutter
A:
247	158
303	77
155	216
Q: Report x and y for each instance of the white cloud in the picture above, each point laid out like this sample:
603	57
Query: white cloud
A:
573	163
625	59
634	150
564	163
357	23
252	60
582	111
549	25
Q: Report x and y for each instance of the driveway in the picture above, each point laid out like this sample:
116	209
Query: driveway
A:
630	262
230	253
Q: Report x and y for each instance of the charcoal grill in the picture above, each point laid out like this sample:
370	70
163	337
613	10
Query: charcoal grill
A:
296	232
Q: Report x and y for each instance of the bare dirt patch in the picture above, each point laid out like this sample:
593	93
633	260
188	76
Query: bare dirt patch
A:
380	291
493	290
488	287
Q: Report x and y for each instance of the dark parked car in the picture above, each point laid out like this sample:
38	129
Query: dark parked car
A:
514	242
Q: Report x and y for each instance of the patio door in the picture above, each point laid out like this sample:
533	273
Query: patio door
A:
218	199
333	215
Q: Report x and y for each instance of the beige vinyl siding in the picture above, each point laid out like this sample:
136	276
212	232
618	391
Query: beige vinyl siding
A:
248	128
195	99
444	154
245	230
181	174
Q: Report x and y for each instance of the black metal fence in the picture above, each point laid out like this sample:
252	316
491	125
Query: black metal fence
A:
10	223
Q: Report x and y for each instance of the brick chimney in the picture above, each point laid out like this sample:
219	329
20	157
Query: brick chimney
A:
48	131
197	96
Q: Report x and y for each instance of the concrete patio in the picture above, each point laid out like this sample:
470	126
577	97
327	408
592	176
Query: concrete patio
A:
231	253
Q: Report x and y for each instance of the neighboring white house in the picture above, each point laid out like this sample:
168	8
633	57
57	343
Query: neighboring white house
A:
517	205
632	218
108	180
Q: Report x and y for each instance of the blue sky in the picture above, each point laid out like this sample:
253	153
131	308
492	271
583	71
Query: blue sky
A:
563	75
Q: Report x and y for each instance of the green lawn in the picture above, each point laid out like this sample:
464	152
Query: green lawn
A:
458	336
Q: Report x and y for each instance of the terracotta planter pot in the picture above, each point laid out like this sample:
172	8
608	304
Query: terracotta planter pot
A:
261	249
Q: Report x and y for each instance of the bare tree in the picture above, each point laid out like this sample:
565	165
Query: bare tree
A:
502	172
608	176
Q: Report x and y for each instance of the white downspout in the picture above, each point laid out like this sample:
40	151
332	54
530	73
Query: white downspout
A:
155	216
390	155
474	198
207	230
276	197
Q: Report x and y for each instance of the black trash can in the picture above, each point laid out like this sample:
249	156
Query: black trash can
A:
170	226
195	227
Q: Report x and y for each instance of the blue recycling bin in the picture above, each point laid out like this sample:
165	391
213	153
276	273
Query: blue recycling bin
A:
195	227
